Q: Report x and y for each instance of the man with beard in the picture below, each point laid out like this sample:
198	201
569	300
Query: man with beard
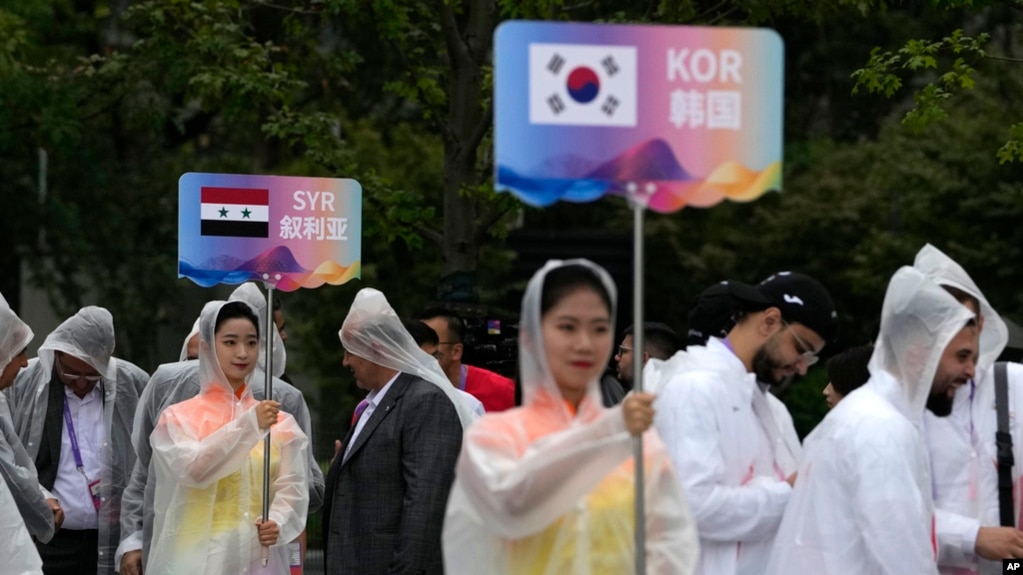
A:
962	446
863	501
733	443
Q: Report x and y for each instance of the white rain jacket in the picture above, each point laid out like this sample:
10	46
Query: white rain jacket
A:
862	502
88	335
733	467
207	464
962	445
540	491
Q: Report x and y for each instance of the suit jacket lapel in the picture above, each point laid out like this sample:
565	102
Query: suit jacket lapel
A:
393	395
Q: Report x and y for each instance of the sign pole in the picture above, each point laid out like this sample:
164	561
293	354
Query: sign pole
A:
268	388
637	377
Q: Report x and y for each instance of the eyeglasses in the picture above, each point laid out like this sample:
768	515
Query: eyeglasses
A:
72	376
808	355
437	355
623	348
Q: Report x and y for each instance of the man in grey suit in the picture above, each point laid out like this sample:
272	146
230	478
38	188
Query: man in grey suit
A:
387	487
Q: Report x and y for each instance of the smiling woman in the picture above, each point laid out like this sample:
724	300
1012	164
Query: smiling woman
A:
549	487
208	455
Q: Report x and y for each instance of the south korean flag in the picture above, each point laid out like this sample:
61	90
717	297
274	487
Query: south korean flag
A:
582	85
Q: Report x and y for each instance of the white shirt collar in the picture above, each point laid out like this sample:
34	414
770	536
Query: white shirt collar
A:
377	395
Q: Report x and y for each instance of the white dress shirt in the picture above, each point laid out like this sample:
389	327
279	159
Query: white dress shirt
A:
374	399
70	487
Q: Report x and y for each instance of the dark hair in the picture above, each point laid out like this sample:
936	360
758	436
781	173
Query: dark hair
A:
964	298
848	370
278	304
420	332
456	327
236	309
564	280
659	340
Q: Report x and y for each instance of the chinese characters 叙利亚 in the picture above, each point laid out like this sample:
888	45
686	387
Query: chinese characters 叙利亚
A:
314	227
710	109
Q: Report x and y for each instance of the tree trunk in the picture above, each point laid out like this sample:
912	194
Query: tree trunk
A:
468	46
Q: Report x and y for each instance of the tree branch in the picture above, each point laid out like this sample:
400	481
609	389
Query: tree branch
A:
1004	59
723	15
452	35
491	215
480	130
286	8
431	234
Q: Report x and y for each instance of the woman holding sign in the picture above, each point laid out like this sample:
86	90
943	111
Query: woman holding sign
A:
208	463
548	487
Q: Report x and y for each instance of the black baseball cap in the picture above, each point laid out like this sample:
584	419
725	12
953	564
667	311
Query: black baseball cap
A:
800	298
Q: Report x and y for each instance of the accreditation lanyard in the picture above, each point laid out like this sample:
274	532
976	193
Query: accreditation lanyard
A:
93	485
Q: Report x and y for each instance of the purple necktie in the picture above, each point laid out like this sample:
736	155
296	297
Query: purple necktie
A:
358	411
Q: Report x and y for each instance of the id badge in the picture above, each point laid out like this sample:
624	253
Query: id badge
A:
94	491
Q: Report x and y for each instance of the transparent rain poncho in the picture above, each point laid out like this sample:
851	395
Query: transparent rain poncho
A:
16	467
251	294
962	445
173	383
89	336
541	491
373	331
15	512
862	500
207	463
19	553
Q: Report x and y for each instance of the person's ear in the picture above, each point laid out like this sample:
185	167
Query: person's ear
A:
646	356
456	351
770	321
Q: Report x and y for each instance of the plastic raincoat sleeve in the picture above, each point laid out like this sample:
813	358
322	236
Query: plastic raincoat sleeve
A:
290	489
686	423
199	463
133	497
19	555
298	409
427	464
25	489
888	514
518	494
668	522
957	538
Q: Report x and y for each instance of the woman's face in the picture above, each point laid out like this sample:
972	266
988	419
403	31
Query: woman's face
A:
237	345
577	338
832	396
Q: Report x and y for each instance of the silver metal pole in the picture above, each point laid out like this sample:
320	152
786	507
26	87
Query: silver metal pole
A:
637	377
268	387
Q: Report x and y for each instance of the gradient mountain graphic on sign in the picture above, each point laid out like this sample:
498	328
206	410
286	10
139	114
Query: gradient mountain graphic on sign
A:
652	170
276	261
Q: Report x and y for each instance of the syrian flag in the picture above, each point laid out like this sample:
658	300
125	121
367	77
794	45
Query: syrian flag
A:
237	212
582	85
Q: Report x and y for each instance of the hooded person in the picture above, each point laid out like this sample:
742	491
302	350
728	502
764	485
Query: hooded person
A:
190	347
733	442
249	293
173	383
208	459
20	555
863	503
36	505
387	485
962	446
549	487
73	409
